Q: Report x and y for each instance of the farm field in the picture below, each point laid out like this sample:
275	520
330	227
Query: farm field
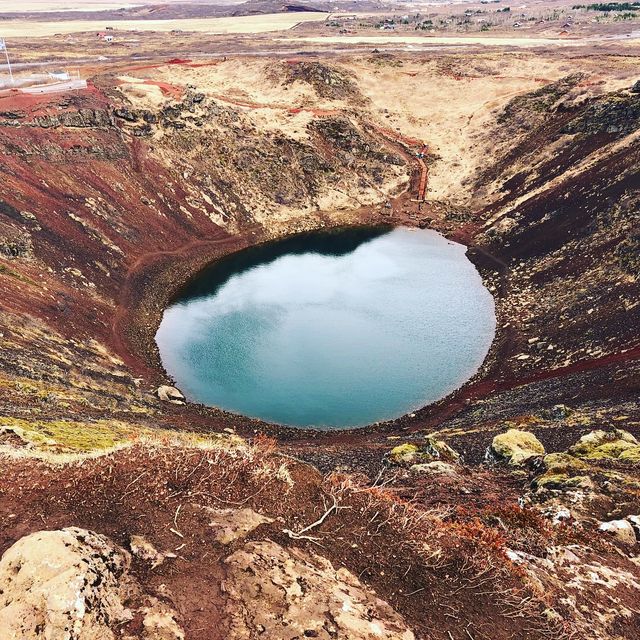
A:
242	24
41	6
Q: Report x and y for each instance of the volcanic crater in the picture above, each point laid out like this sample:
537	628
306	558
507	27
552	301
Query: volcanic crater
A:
114	197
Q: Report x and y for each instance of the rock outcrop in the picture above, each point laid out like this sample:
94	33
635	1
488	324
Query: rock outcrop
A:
515	447
72	584
289	594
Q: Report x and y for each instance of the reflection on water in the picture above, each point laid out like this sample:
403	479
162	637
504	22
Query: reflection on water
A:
330	329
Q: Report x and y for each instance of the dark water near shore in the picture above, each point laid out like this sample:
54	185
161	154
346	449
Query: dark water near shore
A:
330	329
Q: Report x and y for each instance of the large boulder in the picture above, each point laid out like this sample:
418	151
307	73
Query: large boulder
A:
600	444
62	584
290	593
73	584
515	447
167	393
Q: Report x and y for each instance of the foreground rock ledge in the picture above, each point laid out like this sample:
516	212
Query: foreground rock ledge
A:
74	584
288	594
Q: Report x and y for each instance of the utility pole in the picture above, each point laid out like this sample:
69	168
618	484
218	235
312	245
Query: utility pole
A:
3	47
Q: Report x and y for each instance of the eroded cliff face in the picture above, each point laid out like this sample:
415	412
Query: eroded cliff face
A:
92	189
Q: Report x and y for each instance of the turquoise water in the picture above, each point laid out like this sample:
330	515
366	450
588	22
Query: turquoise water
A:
330	330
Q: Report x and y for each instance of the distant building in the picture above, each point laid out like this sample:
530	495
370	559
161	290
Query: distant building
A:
108	38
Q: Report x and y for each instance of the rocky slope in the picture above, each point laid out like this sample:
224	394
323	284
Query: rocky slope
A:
449	523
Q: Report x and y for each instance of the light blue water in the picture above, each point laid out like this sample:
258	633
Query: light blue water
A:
331	330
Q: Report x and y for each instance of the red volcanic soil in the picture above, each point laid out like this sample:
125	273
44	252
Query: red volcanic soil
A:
170	90
162	494
108	210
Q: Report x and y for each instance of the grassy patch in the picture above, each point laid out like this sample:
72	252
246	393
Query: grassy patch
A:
61	436
7	271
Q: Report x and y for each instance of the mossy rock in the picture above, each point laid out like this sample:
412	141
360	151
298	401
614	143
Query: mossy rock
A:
439	449
601	444
632	454
562	482
563	463
403	453
516	447
431	450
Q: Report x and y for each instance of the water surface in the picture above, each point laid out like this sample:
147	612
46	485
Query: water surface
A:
331	329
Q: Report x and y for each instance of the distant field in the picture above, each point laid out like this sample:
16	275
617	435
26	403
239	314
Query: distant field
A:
34	6
422	40
243	24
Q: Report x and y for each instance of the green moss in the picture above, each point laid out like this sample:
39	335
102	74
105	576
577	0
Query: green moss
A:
632	454
6	271
59	436
563	463
69	436
600	444
516	446
404	453
562	481
609	450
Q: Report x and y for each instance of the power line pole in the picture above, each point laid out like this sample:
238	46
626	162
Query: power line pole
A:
3	47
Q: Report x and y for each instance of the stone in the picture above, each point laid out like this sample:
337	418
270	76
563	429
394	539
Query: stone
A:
515	447
603	444
434	468
636	87
231	524
159	623
289	594
62	584
558	411
635	523
167	393
621	530
145	551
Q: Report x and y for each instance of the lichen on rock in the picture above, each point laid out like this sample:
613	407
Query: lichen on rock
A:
289	594
604	444
515	447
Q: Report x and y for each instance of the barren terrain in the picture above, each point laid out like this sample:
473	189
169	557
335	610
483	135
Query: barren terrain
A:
510	509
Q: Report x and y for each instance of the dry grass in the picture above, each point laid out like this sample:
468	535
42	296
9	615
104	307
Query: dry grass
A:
488	41
243	24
